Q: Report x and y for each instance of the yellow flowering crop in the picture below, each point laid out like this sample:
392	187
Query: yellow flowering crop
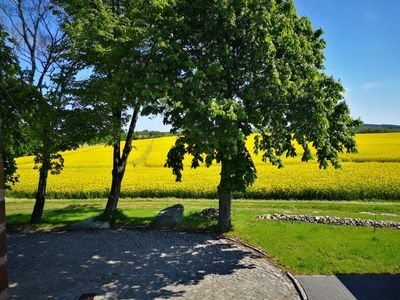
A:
374	172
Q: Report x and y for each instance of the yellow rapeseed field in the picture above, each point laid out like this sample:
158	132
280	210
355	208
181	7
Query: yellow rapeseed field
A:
374	172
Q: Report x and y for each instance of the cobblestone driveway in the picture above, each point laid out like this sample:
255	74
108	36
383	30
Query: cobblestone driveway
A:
128	264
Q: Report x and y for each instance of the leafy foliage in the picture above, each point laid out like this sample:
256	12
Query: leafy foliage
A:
13	99
112	40
52	121
118	46
251	65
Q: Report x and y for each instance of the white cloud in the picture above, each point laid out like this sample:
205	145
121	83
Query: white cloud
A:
371	85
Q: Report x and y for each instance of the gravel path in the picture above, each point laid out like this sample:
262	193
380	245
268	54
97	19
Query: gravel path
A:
128	264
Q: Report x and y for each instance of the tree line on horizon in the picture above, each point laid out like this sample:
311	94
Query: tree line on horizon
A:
76	71
378	128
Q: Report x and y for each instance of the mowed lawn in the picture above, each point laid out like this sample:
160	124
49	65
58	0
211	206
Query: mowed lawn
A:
299	247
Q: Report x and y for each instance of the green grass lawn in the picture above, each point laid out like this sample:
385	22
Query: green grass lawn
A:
299	247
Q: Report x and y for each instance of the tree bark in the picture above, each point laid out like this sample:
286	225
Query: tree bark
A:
3	246
224	217
224	197
37	213
115	191
117	176
119	164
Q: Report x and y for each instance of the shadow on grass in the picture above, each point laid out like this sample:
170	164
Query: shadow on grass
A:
15	221
66	216
56	217
190	222
194	221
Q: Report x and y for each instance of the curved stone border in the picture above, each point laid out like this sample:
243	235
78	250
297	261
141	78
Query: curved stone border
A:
330	220
295	282
298	286
262	253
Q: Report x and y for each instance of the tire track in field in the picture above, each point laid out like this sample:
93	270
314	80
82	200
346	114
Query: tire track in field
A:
143	158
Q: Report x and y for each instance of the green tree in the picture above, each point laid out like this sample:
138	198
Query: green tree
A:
250	66
13	99
117	45
55	122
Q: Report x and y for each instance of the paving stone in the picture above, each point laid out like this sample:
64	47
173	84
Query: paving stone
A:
129	264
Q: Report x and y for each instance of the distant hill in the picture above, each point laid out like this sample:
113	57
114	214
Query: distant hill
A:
378	128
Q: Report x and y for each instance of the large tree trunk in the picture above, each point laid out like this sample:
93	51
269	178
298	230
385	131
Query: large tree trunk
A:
113	197
224	196
37	213
224	218
117	176
119	164
3	247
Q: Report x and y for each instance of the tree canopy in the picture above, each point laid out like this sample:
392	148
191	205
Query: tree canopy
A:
218	70
14	97
118	48
251	66
53	121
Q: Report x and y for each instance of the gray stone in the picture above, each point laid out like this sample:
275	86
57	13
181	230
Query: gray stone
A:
210	213
170	216
90	223
330	220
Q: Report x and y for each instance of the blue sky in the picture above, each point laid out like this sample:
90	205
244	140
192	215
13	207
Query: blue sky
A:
363	51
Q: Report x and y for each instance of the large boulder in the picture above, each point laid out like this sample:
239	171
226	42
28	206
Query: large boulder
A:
170	216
